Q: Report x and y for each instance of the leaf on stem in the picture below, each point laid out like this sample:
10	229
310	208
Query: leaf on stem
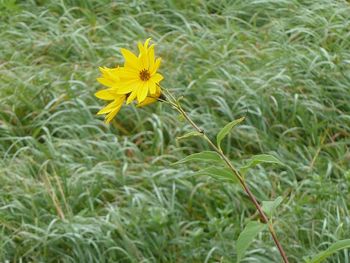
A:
189	134
247	236
226	130
257	159
220	173
206	156
269	207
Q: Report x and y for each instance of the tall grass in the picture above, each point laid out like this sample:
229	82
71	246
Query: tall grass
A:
75	190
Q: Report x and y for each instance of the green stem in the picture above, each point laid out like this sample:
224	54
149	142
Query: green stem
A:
171	100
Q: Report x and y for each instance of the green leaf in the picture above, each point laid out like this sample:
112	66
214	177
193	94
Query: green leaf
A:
270	206
257	159
247	236
206	156
226	130
341	244
219	173
190	134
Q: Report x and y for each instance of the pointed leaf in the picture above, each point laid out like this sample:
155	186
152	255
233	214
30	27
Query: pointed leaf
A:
220	173
226	130
270	206
190	134
247	236
206	156
257	159
341	244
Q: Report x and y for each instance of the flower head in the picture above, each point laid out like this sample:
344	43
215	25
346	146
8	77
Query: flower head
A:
139	76
137	79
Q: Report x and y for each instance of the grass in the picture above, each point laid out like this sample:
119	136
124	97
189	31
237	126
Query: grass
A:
75	190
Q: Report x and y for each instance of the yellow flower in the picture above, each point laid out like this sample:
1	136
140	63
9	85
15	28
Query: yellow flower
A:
110	78
139	77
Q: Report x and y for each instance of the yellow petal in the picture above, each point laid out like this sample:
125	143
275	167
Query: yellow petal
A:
109	76
113	70
150	99
155	66
142	49
131	97
126	87
142	92
108	108
130	59
152	87
112	114
157	78
113	105
112	74
147	42
144	60
147	101
107	94
143	57
103	70
106	82
128	73
151	56
158	91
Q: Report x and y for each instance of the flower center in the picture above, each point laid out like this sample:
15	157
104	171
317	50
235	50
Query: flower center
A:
145	75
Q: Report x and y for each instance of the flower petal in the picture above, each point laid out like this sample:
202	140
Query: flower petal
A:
147	42
144	60
144	54
113	105
155	66
157	78
107	94
112	114
148	100
152	87
130	59
110	73
158	90
103	70
142	92
108	108
142	49
125	87
151	56
131	97
128	73
106	82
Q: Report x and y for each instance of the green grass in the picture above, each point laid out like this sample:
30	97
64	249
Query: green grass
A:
75	190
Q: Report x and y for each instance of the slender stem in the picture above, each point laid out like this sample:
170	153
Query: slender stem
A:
251	196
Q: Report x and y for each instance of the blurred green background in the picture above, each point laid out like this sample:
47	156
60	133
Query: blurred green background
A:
75	190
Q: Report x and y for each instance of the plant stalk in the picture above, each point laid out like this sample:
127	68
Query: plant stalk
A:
251	196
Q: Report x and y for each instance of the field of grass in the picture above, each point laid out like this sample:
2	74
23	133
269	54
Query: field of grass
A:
73	189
